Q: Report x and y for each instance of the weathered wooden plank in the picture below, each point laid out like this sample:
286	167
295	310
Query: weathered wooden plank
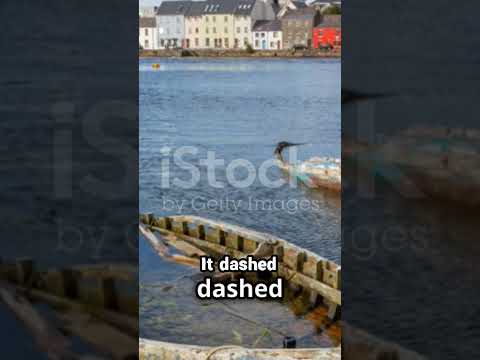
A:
197	231
329	275
24	268
126	323
216	236
294	258
338	285
49	340
156	350
323	289
62	282
279	252
105	338
117	271
249	245
164	223
234	241
180	227
313	268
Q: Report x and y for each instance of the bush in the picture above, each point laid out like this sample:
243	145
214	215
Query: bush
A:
332	10
250	49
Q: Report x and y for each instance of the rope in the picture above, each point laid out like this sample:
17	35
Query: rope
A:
221	348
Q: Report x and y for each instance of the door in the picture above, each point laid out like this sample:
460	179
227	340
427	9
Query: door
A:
264	44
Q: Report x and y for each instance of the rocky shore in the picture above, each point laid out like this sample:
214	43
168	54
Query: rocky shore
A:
309	53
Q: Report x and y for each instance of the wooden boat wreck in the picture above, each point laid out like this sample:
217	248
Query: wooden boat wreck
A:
317	172
195	236
86	304
425	162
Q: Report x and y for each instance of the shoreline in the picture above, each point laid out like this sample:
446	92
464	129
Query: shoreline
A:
241	54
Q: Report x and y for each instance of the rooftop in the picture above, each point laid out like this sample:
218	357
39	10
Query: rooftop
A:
266	25
244	7
196	8
174	7
147	22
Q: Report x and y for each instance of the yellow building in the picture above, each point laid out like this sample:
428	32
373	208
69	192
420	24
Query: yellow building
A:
224	24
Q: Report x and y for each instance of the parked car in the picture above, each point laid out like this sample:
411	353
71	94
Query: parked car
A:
326	47
299	47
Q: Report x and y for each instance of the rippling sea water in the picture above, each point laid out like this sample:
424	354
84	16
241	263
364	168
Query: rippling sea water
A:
238	109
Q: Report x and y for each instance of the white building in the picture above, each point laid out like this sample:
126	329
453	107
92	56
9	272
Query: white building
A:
147	33
267	35
147	11
246	14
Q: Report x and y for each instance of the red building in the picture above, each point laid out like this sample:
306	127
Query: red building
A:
328	32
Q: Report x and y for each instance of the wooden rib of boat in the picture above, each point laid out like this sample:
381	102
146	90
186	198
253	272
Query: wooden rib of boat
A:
439	163
313	273
300	266
85	301
317	172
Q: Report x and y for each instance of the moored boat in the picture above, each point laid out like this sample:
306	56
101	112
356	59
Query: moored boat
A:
300	268
84	303
424	162
317	172
191	234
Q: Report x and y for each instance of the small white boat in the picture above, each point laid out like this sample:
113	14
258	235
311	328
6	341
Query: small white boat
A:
317	172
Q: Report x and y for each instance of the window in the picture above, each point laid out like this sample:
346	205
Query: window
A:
236	43
178	20
207	42
214	30
271	44
257	34
245	30
238	30
219	42
263	34
213	18
256	43
226	43
226	18
226	30
146	32
162	42
206	18
188	43
196	42
146	44
275	34
207	30
196	30
245	41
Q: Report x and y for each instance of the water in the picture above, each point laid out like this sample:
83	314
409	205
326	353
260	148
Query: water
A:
238	109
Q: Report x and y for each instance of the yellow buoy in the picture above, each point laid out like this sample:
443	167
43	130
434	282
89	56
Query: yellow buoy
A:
156	66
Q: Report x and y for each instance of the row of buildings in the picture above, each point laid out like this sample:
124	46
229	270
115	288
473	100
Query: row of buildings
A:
237	24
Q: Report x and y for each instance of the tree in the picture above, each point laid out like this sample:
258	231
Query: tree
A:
332	10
